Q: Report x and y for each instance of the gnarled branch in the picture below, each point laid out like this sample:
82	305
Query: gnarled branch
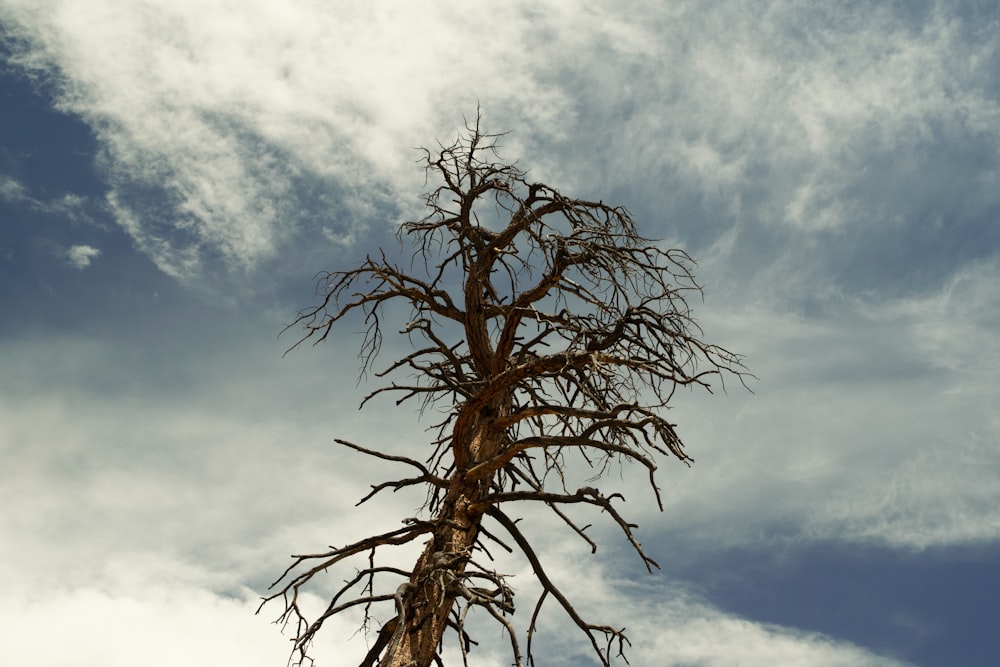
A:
549	334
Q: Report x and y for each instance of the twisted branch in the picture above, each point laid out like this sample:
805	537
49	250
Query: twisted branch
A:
549	336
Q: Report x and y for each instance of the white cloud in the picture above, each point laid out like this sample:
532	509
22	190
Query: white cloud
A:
873	422
241	119
666	623
675	628
140	514
80	256
159	624
113	626
70	206
99	452
11	190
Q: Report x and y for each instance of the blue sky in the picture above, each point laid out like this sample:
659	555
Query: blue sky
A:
173	173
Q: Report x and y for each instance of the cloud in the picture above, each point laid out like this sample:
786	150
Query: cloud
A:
80	256
11	190
159	624
673	627
109	626
225	131
163	501
15	192
665	621
177	447
834	168
871	421
232	133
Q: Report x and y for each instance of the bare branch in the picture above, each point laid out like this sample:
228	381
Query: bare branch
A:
550	588
549	336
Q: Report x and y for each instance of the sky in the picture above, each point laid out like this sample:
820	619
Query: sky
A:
173	174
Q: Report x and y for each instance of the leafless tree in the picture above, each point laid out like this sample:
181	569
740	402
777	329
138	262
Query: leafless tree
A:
547	330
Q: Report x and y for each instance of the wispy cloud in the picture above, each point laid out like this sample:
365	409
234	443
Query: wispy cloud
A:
872	421
674	627
666	622
80	256
72	207
11	190
222	129
222	126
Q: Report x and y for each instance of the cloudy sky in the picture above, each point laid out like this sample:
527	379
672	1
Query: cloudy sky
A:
174	172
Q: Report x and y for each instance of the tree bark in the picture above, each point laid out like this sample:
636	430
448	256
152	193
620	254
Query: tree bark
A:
434	585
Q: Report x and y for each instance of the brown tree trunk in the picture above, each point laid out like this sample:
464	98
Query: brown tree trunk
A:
431	592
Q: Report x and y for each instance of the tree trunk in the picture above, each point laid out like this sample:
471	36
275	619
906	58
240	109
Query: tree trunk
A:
427	599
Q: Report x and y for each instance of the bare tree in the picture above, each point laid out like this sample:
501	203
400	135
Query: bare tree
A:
547	330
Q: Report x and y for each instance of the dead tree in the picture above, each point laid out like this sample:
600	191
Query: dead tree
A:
548	330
